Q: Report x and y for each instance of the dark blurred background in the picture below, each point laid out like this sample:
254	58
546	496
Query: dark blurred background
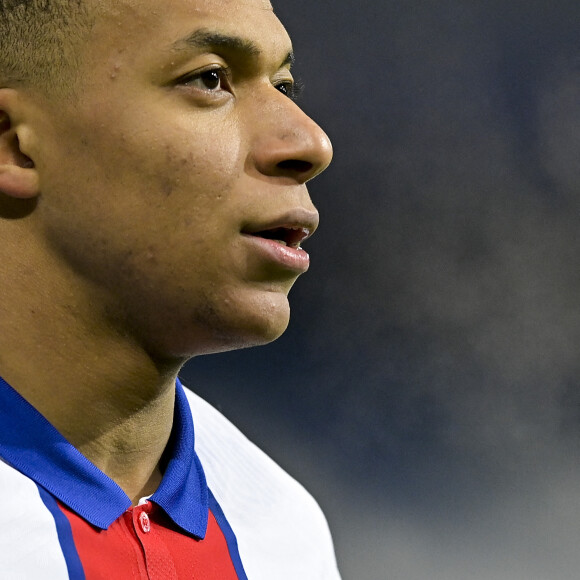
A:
427	391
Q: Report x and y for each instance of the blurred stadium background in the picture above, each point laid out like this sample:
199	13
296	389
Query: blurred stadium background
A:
427	391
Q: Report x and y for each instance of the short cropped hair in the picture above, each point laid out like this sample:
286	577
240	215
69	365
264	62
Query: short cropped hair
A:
37	42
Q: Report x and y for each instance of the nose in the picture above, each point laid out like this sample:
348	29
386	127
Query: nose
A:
289	144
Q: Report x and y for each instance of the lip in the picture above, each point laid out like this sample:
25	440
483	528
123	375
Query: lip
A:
294	259
278	240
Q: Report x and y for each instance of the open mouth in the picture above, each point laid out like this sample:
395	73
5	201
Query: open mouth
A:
287	236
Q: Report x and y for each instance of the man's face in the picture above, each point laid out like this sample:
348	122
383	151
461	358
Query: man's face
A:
176	160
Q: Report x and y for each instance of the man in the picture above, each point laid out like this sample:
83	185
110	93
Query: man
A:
152	206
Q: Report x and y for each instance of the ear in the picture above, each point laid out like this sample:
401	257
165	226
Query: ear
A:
18	176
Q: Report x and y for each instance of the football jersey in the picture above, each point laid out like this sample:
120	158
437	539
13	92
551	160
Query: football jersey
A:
223	510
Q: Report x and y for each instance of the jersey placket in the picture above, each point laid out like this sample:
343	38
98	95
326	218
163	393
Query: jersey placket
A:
158	559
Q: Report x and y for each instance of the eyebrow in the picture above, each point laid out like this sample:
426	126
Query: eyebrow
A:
204	39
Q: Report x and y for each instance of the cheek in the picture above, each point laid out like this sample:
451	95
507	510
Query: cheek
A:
198	175
150	224
168	142
151	216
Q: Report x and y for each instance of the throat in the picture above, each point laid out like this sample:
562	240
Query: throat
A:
137	474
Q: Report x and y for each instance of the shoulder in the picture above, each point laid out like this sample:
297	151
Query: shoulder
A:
274	518
29	542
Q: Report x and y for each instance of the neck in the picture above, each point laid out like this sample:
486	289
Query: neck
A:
97	386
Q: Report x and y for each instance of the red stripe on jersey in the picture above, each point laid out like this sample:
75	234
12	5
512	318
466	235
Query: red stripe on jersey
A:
143	544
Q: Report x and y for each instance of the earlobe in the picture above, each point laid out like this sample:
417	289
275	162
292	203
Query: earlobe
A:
18	176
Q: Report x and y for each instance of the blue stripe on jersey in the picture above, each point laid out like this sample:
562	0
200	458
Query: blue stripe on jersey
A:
182	492
229	535
65	537
34	447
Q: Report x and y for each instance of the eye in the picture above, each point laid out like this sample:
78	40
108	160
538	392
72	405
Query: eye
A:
292	89
210	80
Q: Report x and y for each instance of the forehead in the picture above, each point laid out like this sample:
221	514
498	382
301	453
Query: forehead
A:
156	7
159	24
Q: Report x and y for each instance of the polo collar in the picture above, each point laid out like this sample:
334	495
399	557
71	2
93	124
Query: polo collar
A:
34	447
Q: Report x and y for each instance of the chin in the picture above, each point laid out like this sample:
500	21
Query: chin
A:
256	328
233	326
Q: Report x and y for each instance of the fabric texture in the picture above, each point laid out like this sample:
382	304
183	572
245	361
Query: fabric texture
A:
223	511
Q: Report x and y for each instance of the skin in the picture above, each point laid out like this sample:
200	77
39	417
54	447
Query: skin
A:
122	214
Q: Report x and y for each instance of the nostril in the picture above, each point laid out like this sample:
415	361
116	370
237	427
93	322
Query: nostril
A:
295	165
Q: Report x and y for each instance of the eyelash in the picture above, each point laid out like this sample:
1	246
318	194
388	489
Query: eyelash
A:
292	89
223	76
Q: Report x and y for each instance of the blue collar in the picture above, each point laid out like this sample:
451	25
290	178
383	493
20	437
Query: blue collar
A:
34	447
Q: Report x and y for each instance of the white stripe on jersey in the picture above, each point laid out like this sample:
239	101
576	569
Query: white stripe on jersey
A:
30	546
280	529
